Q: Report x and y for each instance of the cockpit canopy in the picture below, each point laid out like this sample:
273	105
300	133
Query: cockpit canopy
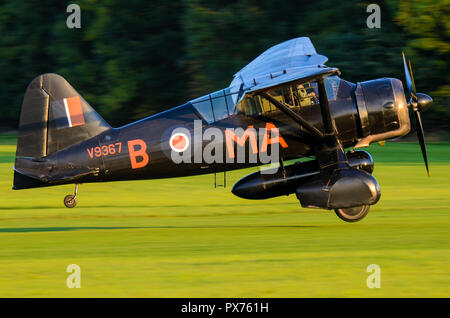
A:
216	106
293	95
226	102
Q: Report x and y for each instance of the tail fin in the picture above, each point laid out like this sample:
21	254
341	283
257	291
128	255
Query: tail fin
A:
53	117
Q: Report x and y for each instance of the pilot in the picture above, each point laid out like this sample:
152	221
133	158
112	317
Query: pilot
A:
304	100
314	98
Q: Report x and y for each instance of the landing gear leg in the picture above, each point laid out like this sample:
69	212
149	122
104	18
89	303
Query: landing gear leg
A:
70	201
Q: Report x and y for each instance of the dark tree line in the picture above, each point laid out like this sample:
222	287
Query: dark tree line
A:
135	58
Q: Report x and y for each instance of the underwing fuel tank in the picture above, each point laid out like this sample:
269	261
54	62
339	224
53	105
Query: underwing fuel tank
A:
260	185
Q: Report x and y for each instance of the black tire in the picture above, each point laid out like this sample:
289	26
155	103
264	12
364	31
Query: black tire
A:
70	201
354	214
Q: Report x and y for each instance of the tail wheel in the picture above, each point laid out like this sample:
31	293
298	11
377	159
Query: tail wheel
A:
353	214
70	201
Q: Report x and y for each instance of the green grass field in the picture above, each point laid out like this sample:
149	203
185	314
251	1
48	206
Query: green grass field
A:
183	238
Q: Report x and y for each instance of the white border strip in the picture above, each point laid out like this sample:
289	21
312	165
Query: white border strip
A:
67	112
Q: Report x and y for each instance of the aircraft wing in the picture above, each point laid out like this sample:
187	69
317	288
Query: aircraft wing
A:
285	62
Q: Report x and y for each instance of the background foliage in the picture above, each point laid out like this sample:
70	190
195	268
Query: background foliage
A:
134	59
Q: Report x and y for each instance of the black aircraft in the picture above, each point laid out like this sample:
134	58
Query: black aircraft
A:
286	100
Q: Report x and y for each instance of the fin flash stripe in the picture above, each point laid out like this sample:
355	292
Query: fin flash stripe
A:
74	111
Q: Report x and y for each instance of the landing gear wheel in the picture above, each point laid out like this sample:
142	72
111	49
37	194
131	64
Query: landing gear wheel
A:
353	214
70	201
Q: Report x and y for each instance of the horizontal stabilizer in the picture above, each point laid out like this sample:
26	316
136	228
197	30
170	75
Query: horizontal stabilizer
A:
32	173
22	181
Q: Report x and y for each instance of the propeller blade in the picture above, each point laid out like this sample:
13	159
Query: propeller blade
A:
412	76
409	78
420	135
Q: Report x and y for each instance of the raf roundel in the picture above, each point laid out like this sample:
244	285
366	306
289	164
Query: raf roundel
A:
179	142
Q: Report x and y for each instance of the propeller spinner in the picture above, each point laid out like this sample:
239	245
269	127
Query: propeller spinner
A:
418	102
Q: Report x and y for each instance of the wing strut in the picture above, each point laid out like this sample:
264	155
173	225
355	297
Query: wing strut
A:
313	131
328	123
330	153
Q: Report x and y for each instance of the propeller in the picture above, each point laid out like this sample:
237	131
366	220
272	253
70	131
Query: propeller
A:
418	102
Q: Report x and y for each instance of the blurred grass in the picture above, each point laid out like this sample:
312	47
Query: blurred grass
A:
183	238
